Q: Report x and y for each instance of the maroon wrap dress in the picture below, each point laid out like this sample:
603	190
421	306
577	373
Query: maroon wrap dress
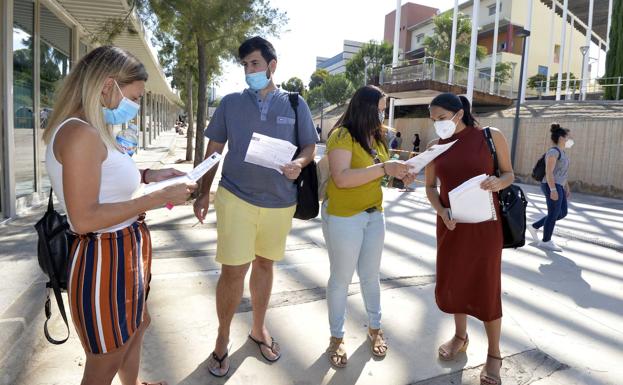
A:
469	257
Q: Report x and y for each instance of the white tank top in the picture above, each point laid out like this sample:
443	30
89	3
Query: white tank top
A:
119	182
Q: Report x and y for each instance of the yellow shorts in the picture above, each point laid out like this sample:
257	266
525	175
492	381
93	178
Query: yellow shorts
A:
245	230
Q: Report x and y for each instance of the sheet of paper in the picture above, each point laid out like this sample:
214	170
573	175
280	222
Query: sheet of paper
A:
191	177
269	152
417	163
470	203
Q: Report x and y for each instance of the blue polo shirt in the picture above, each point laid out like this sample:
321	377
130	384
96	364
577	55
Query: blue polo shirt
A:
235	120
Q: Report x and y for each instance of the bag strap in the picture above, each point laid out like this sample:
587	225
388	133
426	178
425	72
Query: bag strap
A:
559	153
51	201
294	103
59	299
491	144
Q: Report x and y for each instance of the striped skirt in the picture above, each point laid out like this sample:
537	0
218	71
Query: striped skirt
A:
108	283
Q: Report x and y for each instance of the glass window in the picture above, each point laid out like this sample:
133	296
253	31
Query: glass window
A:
542	70
492	9
23	96
55	63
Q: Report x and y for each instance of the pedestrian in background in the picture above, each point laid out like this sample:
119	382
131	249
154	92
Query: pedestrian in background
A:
469	255
110	258
555	187
396	144
416	143
353	223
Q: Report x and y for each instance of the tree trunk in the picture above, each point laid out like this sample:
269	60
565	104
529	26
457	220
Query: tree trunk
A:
201	100
189	112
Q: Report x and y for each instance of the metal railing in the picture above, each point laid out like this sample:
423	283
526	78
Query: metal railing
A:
592	86
429	68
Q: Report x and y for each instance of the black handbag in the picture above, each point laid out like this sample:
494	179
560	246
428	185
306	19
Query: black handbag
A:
307	206
513	205
53	255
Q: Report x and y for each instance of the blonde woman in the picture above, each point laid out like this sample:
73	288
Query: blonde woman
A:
110	259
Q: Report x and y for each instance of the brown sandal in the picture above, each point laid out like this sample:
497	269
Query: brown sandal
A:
445	355
490	379
337	354
377	341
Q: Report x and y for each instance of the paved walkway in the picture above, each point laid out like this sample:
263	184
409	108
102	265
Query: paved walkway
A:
563	312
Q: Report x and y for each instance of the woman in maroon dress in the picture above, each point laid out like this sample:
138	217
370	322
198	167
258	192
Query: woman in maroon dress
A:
468	254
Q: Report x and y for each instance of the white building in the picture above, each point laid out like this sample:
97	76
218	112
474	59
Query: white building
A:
337	64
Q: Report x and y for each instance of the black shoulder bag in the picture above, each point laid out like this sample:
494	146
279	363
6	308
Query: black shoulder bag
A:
513	205
307	206
53	254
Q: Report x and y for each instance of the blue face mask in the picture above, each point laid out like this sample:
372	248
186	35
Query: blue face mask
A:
125	111
257	80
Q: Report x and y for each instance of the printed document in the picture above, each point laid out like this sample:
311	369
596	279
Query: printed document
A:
269	152
191	177
417	163
470	203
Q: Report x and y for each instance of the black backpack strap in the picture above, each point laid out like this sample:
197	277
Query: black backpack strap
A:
491	144
55	286
559	153
294	102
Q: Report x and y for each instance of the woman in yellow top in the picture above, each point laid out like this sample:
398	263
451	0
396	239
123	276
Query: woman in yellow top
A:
352	215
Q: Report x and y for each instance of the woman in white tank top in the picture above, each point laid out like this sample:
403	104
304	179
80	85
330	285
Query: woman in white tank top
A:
95	182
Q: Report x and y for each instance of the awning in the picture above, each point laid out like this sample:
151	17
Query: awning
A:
91	14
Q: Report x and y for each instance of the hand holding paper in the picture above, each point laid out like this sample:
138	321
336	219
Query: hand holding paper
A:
269	152
420	161
470	203
191	177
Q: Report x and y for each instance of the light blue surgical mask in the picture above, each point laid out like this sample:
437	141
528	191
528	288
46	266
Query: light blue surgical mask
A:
125	111
257	80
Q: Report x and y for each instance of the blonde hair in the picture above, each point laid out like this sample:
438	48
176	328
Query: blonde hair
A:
82	89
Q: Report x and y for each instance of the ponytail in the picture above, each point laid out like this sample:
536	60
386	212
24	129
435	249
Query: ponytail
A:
468	118
558	132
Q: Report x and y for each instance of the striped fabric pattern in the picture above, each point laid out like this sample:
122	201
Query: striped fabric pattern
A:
108	281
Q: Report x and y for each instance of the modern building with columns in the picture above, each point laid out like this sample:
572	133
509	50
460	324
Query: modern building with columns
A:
40	41
558	31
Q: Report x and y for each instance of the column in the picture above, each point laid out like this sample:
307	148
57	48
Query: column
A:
453	41
563	41
527	53
494	52
609	25
569	59
589	32
472	51
550	61
397	33
143	126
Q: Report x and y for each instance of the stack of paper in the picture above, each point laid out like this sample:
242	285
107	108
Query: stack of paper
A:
269	152
470	203
191	177
417	163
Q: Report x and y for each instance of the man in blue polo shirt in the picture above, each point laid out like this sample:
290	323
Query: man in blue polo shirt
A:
254	204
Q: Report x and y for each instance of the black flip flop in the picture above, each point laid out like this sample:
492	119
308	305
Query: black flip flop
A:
220	364
271	347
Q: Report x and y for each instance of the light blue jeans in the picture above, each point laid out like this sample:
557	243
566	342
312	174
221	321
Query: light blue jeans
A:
353	242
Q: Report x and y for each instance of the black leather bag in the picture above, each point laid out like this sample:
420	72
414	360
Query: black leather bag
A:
513	205
307	206
53	255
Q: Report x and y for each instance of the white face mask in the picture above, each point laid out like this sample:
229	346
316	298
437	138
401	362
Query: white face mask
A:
569	143
445	128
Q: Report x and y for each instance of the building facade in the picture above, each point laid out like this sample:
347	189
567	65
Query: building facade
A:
410	14
545	26
40	41
337	64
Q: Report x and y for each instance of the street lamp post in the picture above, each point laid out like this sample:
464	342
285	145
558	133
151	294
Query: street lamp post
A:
583	82
524	35
513	65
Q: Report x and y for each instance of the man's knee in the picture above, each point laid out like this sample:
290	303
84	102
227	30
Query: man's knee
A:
262	263
234	273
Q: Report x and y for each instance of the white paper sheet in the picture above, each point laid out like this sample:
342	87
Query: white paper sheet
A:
269	152
470	203
191	177
417	163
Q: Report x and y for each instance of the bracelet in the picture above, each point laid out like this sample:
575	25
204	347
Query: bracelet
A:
143	175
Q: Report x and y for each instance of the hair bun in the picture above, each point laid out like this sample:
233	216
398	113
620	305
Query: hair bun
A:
555	127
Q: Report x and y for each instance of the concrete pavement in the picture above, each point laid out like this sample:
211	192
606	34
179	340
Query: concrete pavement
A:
562	322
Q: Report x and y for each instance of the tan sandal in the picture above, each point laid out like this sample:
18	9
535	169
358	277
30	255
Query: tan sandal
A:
490	379
337	354
377	341
445	355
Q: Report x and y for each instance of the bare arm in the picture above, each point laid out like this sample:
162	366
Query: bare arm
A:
202	203
432	193
82	152
507	176
550	165
346	177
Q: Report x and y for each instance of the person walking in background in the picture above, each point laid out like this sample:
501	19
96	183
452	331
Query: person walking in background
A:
555	187
254	204
353	223
468	254
416	143
110	258
396	143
